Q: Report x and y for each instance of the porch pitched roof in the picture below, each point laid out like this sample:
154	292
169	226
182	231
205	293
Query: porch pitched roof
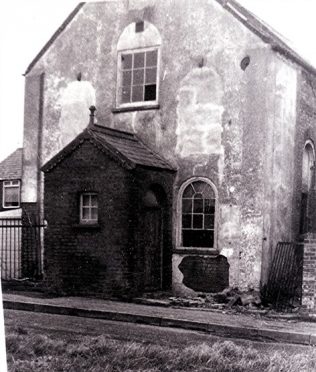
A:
124	147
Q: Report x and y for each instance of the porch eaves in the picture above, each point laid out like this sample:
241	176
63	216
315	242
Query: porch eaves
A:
121	146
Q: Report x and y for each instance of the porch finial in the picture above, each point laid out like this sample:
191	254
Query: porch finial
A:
92	111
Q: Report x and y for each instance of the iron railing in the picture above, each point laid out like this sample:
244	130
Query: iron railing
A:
284	286
20	248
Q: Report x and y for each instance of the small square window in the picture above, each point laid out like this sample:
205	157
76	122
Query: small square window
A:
88	208
11	194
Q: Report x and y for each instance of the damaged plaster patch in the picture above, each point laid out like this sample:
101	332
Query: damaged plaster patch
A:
199	111
251	251
230	223
75	103
140	4
227	252
177	278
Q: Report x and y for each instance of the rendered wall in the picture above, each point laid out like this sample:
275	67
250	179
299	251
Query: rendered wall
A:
215	120
279	164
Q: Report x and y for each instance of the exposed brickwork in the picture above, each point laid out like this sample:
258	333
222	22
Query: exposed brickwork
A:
102	259
309	276
206	274
305	130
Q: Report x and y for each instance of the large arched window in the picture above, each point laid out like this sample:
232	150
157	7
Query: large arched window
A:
138	65
198	214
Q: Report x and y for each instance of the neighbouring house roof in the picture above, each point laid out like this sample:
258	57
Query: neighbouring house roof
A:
252	22
124	147
11	167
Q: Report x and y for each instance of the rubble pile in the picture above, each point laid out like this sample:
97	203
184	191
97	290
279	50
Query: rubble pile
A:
228	298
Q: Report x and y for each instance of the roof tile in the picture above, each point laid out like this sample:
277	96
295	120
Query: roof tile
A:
11	167
129	146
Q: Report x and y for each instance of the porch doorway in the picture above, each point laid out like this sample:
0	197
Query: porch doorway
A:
153	225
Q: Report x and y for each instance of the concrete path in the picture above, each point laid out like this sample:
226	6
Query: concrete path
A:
216	323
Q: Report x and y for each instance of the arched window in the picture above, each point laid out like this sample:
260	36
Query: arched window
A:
198	214
138	65
308	166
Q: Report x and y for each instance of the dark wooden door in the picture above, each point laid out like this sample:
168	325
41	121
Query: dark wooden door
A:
153	248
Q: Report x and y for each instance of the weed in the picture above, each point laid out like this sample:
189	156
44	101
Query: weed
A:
39	353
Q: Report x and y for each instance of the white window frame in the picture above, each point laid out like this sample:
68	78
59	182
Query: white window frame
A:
179	215
11	184
89	207
119	78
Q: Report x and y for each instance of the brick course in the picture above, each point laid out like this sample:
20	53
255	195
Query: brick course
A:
103	259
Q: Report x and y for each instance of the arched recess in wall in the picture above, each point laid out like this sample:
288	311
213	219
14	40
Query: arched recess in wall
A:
155	250
197	208
199	111
138	63
308	169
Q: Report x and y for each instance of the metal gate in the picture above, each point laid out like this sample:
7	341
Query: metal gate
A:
21	249
284	286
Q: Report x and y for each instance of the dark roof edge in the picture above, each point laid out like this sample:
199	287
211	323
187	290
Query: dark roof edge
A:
101	128
111	150
54	37
295	58
73	145
277	44
170	167
68	149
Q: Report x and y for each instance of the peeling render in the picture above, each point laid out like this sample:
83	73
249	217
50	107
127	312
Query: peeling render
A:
199	111
237	127
76	97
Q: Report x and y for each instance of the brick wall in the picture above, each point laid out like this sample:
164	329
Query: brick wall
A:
82	259
103	259
205	273
305	130
309	275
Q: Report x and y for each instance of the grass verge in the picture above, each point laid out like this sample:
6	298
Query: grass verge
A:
45	353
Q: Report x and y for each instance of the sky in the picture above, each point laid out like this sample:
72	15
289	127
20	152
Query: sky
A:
26	25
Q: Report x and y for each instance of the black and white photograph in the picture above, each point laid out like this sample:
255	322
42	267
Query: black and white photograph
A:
158	186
